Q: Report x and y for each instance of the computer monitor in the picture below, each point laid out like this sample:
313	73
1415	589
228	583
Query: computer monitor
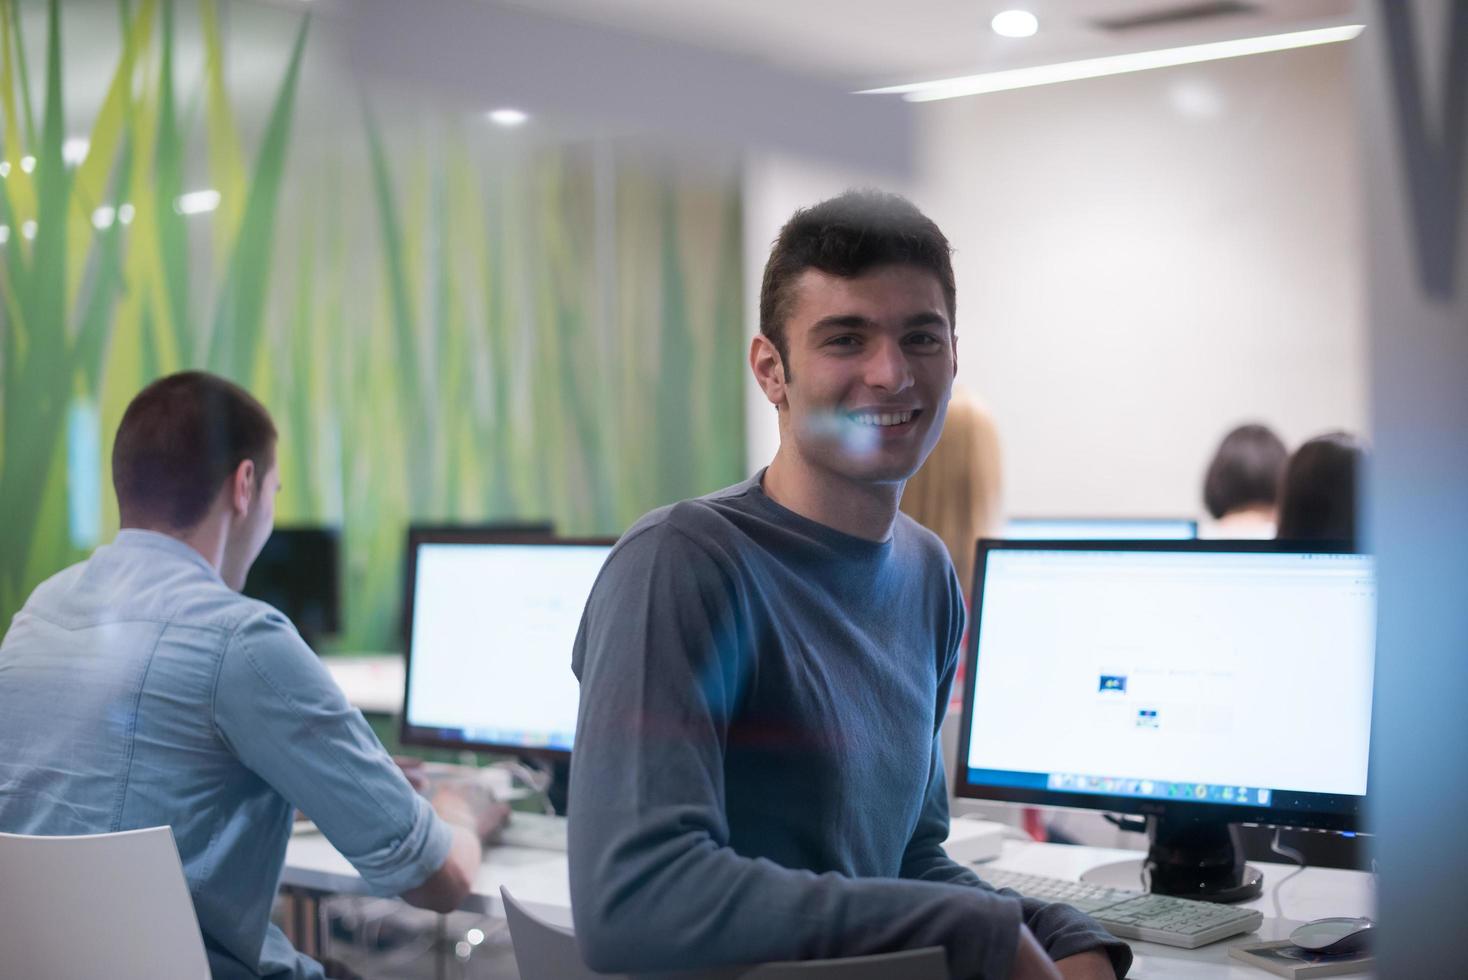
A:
299	572
1202	684
1100	528
491	619
532	529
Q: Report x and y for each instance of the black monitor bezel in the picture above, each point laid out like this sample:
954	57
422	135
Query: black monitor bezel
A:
411	735
333	590
1111	519
1349	812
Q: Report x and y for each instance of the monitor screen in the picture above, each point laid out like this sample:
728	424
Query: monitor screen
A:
1100	529
491	624
298	571
1140	676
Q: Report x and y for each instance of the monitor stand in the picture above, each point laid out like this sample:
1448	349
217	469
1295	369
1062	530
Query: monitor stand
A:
1197	859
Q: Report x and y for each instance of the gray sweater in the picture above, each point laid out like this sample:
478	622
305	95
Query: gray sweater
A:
756	774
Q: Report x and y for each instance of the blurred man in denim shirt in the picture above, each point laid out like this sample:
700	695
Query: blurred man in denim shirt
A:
139	688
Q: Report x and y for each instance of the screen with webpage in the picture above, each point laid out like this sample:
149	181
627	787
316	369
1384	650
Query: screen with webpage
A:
493	627
1099	529
1219	677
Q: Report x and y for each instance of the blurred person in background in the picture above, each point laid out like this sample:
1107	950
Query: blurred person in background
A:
1241	487
139	688
956	494
1317	499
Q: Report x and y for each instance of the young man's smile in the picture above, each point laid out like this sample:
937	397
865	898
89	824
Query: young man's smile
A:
870	365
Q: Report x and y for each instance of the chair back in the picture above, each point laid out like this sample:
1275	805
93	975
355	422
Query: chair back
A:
545	951
99	905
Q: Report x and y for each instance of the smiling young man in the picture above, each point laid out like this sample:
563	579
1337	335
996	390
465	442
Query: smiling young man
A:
764	670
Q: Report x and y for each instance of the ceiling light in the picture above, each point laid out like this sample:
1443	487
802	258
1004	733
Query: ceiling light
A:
4	168
125	213
4	234
1015	23
1069	71
28	163
196	202
74	150
102	217
508	117
28	229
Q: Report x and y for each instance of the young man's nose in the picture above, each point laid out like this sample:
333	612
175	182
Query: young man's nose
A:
887	367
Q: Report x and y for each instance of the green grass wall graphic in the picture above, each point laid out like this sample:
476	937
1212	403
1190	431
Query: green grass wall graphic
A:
444	330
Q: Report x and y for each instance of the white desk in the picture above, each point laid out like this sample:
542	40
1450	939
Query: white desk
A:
539	878
372	683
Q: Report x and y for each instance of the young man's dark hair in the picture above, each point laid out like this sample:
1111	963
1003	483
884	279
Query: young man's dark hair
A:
1245	471
1317	497
179	440
846	236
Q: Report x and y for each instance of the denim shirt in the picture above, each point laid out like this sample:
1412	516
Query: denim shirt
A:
137	689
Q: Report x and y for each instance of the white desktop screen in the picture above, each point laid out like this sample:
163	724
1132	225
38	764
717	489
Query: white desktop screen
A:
1206	676
493	627
1099	529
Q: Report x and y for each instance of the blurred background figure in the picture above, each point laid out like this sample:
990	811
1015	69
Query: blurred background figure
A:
1317	498
1241	486
956	494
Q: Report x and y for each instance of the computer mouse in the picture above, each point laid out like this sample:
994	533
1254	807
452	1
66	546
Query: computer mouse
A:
1340	934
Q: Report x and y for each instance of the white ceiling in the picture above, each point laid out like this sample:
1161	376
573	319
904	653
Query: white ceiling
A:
865	43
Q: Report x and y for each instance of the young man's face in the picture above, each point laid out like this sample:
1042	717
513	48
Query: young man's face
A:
870	368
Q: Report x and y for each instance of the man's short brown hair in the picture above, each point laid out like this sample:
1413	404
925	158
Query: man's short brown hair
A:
847	236
179	440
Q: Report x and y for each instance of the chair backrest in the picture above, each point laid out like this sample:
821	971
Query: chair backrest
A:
545	951
100	905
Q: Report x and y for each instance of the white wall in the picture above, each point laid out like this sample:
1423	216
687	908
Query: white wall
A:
1133	279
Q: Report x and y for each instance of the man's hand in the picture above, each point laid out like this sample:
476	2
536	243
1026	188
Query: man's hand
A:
470	805
1090	965
1031	962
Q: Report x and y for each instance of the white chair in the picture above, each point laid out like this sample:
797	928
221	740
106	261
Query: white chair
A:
545	951
100	905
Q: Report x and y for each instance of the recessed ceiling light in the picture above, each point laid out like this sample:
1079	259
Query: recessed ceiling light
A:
74	150
1015	23
508	117
196	202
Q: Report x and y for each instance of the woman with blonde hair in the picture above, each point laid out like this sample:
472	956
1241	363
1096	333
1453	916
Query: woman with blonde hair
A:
956	494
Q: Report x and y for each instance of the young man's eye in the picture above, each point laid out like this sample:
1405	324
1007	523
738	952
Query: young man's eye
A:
923	339
843	340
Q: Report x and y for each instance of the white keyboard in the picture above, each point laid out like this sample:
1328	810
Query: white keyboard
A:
541	831
1135	915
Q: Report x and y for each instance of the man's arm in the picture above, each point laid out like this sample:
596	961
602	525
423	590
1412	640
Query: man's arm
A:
280	712
655	884
474	820
1066	934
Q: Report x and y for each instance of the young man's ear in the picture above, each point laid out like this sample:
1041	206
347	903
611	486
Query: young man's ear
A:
768	368
242	487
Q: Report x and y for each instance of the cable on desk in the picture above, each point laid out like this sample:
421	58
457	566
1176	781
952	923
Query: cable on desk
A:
537	781
1293	855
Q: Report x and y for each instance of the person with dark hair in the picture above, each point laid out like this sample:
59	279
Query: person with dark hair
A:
1242	483
765	670
1317	497
139	688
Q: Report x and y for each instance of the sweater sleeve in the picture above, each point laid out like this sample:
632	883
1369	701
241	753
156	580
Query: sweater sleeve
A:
655	884
1061	929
